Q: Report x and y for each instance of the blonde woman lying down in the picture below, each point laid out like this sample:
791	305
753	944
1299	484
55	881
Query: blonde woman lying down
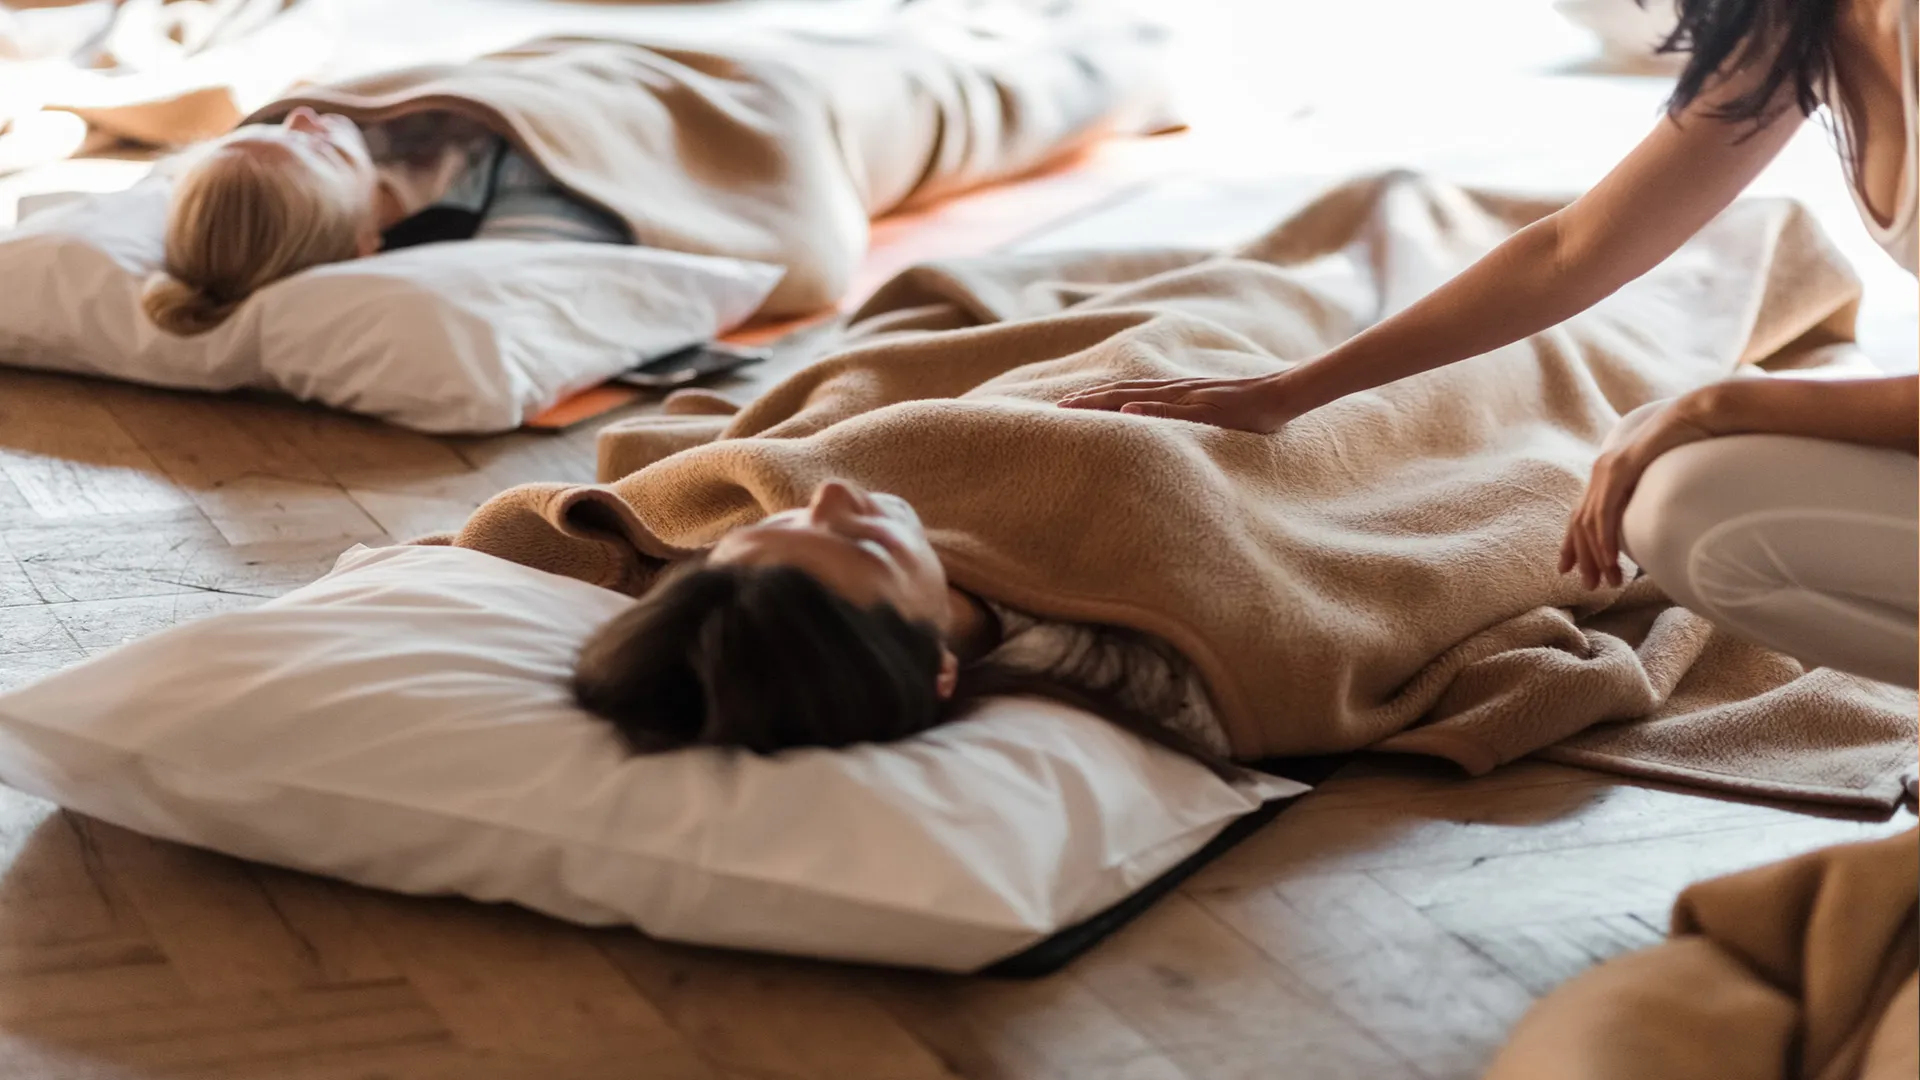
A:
777	149
1783	510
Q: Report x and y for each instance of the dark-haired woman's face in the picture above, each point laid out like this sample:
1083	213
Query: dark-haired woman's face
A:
867	546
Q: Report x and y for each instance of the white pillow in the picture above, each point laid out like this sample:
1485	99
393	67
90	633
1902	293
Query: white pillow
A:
474	336
404	723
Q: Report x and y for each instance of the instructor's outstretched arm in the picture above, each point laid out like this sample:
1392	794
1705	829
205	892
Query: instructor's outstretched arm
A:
1689	169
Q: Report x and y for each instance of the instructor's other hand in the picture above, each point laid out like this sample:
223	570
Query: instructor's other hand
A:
1592	546
1255	404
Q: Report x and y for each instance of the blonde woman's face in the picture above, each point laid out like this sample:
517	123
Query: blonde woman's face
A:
317	148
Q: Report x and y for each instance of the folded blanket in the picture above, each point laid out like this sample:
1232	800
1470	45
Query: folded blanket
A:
780	146
1802	970
1381	572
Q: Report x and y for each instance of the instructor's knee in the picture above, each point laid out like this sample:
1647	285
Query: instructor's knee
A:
1681	496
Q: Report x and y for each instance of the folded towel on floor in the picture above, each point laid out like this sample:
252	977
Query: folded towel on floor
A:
1801	969
1381	572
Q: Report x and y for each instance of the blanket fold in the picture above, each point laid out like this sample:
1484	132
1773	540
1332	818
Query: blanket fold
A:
1382	572
1806	969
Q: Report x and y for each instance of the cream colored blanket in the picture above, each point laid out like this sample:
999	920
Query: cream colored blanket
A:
1802	970
1381	573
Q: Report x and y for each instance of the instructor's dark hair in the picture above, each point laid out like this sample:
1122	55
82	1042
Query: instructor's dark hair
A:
1791	39
767	658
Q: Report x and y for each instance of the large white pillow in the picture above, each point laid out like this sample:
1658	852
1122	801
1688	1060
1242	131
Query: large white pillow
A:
474	336
404	723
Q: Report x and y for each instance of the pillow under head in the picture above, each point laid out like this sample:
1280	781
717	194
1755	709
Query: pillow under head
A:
405	723
469	337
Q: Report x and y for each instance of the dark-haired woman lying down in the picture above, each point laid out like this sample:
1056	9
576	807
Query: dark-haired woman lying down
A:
833	623
862	552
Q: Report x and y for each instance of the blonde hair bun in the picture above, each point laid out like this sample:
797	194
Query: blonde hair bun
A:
241	219
179	308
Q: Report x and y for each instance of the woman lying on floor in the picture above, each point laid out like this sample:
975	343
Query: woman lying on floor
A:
1783	509
1375	577
777	149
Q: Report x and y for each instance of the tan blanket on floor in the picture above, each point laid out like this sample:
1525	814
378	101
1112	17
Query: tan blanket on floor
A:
780	146
1379	573
1802	970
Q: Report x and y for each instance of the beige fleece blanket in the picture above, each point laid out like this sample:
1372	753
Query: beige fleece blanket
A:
1802	970
780	146
1380	573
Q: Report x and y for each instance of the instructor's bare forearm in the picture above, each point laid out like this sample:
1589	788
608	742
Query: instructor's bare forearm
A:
1673	183
1882	411
1527	284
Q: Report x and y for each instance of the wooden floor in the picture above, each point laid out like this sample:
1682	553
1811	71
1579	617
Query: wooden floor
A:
1395	923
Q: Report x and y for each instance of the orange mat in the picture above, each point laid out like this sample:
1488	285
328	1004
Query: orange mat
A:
971	224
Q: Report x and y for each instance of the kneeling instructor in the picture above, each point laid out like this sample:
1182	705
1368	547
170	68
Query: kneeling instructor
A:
1783	509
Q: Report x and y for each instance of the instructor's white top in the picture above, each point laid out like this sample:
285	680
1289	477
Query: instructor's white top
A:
1897	234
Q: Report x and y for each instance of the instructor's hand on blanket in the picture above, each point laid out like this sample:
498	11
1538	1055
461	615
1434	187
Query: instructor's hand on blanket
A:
1258	403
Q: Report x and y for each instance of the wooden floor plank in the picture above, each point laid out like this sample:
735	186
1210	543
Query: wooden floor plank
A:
255	1031
509	981
1054	1028
1429	995
1359	782
348	448
1542	955
803	1014
68	457
16	588
1500	891
21	668
156	555
523	457
1526	807
130	948
33	629
609	1059
209	916
252	483
321	917
143	980
1217	1006
13	505
408	483
96	625
53	891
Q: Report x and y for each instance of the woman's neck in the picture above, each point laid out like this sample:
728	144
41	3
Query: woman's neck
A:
387	208
975	629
